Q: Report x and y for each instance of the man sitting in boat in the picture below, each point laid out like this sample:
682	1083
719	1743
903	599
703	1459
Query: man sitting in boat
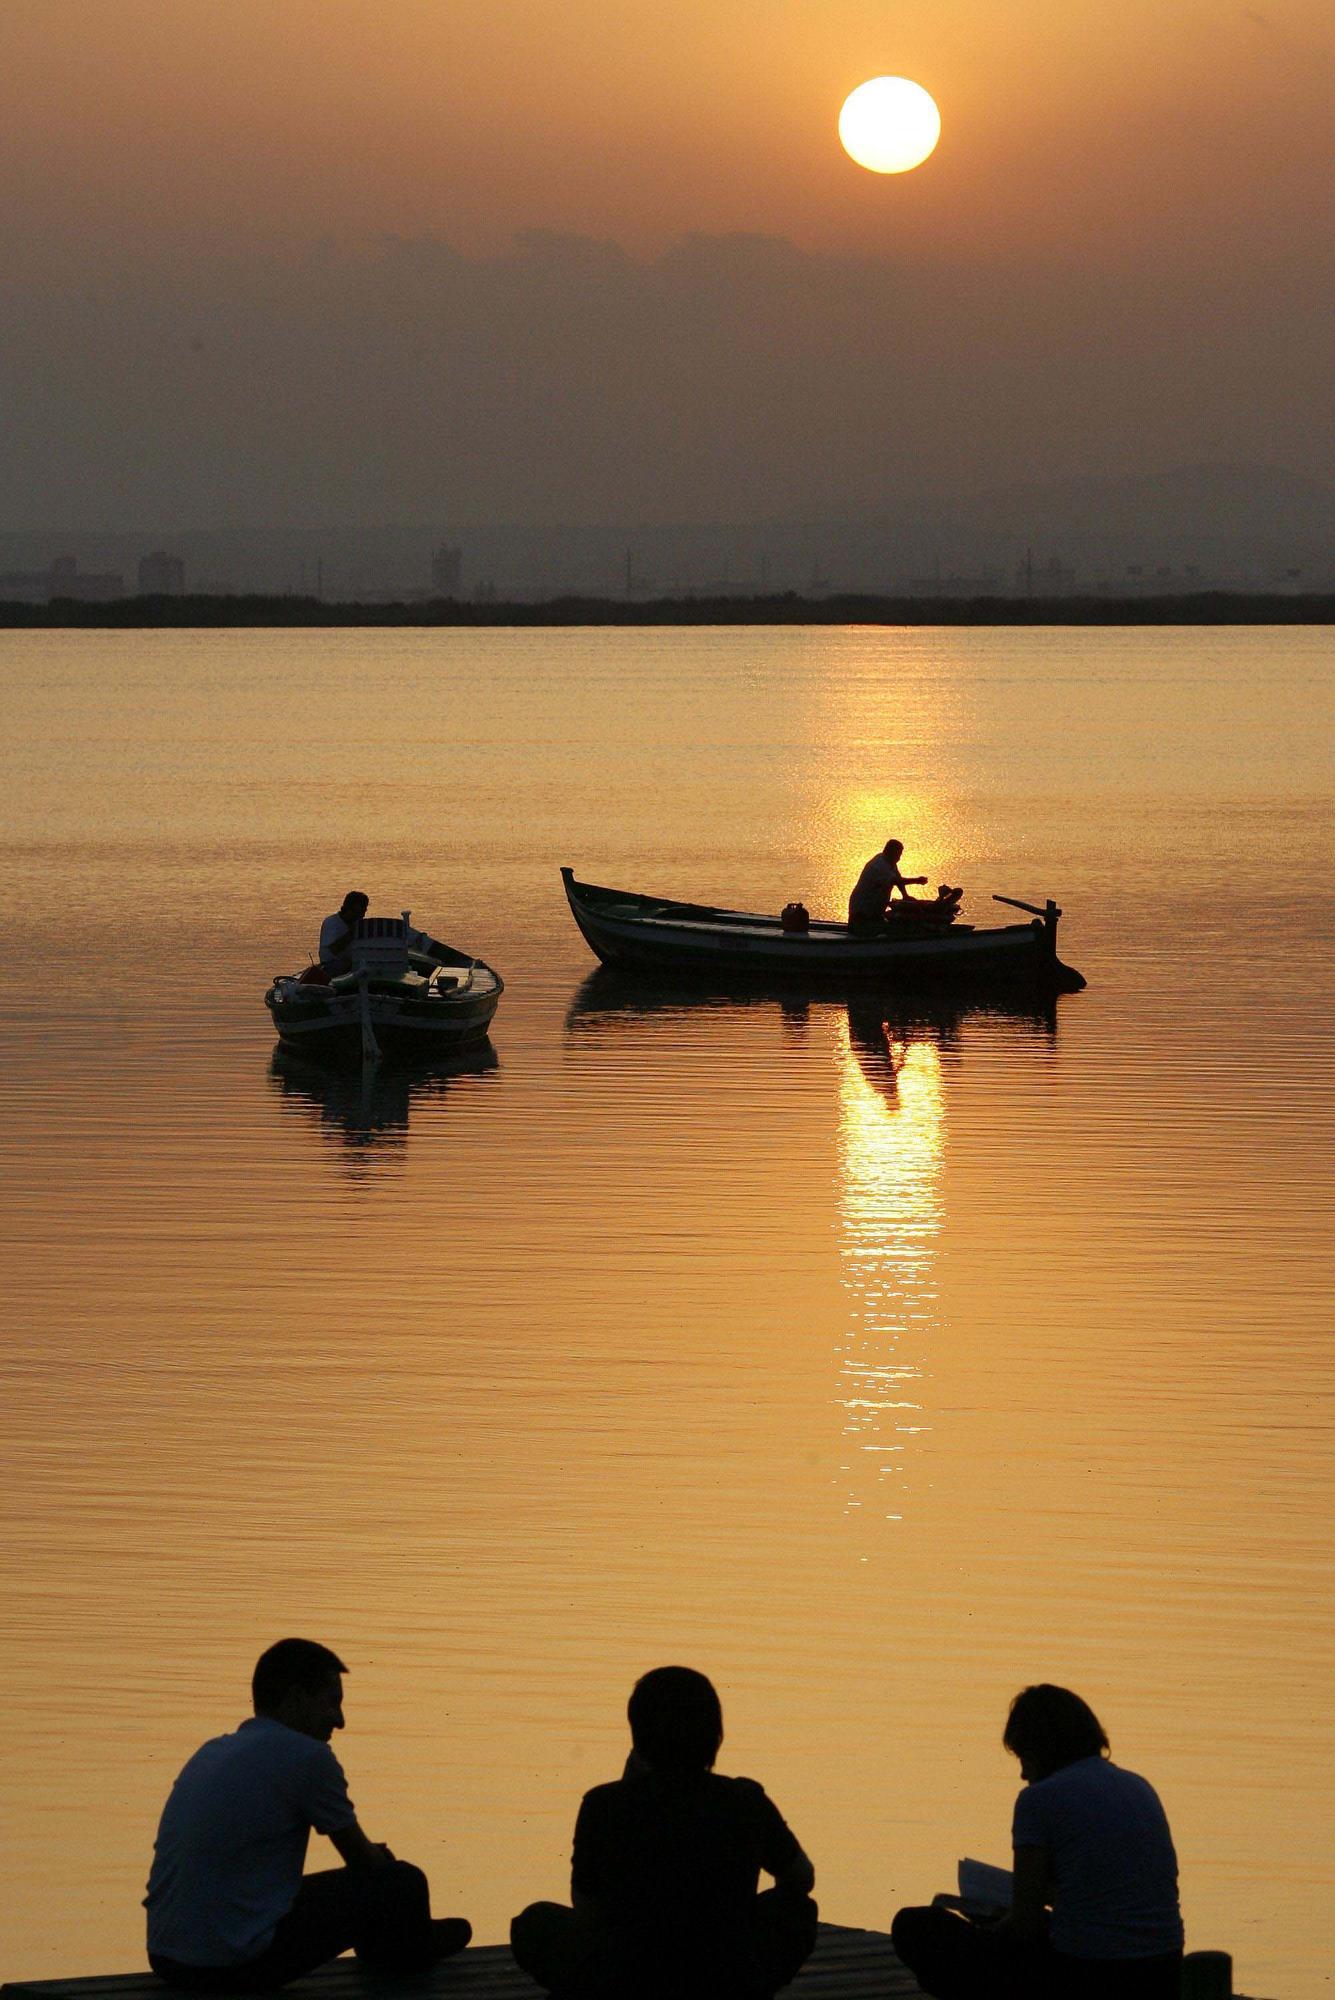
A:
338	942
338	931
870	900
871	908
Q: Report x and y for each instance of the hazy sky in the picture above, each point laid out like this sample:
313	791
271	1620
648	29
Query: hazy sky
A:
326	260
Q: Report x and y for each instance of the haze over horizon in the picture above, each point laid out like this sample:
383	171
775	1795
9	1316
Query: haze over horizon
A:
318	265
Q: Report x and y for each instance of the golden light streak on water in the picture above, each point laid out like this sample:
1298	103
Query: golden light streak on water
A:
891	1142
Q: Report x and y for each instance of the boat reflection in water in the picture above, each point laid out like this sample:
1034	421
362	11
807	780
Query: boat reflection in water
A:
891	1152
893	1062
891	1160
365	1109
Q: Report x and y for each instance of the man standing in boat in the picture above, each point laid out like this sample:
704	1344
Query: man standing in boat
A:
876	885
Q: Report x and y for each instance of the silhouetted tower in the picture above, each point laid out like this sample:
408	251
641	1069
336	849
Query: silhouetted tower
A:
447	568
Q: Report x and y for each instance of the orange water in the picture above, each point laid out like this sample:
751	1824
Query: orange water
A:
876	1370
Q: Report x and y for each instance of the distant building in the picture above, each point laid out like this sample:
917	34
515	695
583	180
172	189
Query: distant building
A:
63	579
90	586
1053	578
25	586
161	575
447	568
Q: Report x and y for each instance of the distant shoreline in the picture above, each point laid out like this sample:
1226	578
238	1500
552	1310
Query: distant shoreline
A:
1210	607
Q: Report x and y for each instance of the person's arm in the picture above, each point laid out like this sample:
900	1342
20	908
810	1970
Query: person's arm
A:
1029	1894
358	1851
781	1853
797	1877
585	1882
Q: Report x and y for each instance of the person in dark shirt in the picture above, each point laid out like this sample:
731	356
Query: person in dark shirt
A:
666	1868
876	885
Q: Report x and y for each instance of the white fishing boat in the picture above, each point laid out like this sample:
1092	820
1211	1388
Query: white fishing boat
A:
406	994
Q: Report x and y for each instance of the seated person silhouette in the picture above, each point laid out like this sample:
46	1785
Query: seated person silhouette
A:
666	1868
337	933
1094	1911
870	900
229	1909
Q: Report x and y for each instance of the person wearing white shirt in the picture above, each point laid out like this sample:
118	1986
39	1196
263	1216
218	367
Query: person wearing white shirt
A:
337	932
229	1907
1094	1905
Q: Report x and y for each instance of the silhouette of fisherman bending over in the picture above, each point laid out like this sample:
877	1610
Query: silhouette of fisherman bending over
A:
876	885
666	1867
870	904
229	1909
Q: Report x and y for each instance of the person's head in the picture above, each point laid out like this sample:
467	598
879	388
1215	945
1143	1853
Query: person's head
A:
300	1683
1049	1727
676	1720
354	906
893	849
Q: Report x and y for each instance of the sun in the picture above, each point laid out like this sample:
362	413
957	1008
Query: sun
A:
889	125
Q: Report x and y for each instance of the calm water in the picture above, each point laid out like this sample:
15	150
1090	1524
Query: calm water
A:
876	1364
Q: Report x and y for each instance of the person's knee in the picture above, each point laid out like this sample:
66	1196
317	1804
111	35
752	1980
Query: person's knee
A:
406	1873
909	1928
794	1916
533	1926
399	1891
785	1934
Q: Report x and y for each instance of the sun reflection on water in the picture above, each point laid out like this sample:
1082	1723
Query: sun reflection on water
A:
891	1142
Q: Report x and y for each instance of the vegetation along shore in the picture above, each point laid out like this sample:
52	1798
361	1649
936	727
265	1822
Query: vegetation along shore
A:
787	608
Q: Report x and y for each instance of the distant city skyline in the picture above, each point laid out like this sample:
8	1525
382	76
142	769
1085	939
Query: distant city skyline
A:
1061	554
1233	527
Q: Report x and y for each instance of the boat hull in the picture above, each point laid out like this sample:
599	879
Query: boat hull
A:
327	1022
634	933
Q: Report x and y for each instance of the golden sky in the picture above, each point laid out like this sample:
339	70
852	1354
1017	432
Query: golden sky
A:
1135	124
313	260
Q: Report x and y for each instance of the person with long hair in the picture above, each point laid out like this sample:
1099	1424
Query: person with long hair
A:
1094	1912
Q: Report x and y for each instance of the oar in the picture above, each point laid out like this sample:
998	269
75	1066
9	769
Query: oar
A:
1033	908
370	1046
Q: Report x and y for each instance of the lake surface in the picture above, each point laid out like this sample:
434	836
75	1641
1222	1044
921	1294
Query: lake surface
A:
877	1362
